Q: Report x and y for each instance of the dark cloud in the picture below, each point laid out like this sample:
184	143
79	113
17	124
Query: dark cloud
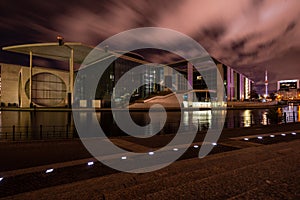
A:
237	45
267	44
242	34
290	27
214	32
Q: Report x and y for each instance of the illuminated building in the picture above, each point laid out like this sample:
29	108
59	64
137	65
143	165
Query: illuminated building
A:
288	89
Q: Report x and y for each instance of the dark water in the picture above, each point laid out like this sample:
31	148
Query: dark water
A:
44	124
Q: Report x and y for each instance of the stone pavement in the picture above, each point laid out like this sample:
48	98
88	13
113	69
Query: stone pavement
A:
262	172
255	171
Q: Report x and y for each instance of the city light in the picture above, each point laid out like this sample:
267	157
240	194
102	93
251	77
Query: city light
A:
90	163
1	178
294	133
49	170
214	144
246	139
272	136
260	137
283	134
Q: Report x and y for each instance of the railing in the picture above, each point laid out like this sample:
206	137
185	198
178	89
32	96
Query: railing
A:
40	132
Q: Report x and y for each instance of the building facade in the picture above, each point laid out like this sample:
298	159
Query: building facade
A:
288	89
49	86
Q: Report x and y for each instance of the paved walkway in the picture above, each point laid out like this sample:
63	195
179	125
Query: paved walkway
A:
270	167
19	155
263	172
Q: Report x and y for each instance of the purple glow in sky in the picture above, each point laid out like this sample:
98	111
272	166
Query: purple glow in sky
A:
248	35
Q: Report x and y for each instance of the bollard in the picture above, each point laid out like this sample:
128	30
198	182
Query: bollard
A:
199	128
67	131
41	131
26	132
233	121
284	117
14	131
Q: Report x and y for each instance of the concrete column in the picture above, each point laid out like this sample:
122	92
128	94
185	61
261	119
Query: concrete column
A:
190	81
168	77
30	77
220	83
242	87
230	82
71	78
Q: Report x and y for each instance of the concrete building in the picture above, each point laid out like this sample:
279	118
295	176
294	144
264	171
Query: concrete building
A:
49	86
28	86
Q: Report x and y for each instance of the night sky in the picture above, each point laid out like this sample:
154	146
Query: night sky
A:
248	35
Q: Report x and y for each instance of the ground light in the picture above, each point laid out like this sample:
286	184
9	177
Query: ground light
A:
90	163
175	149
49	170
151	153
260	137
246	139
283	134
272	136
196	146
123	157
214	144
1	178
294	133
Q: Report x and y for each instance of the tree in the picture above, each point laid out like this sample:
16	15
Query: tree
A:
272	96
253	94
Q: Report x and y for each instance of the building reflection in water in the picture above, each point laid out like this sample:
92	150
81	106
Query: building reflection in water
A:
247	118
264	120
292	112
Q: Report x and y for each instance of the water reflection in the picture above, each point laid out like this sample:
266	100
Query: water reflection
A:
291	113
247	118
56	122
264	120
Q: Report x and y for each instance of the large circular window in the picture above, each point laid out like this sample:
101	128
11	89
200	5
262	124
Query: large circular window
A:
47	89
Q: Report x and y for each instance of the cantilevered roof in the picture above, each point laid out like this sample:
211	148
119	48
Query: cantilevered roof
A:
57	52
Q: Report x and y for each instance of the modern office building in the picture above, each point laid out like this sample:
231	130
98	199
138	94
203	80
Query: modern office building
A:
288	89
237	86
29	86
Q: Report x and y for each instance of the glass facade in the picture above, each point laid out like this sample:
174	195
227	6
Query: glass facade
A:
47	89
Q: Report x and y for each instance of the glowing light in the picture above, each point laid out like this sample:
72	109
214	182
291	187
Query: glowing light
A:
123	157
272	135
49	170
214	144
90	163
151	153
294	133
246	139
283	134
260	137
1	178
175	149
196	146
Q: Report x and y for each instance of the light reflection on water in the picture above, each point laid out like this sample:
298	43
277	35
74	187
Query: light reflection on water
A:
205	118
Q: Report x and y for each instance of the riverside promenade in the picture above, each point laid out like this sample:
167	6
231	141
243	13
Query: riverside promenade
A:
237	169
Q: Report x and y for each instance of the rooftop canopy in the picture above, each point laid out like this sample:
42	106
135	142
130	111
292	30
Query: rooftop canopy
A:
56	51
